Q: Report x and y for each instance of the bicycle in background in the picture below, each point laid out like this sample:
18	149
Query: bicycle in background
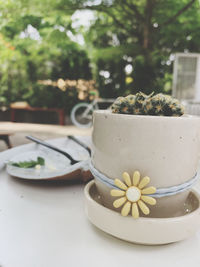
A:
81	114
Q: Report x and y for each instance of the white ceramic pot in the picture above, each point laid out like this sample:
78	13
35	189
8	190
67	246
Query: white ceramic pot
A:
164	148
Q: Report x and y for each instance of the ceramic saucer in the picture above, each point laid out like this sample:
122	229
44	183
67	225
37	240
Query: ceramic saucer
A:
149	231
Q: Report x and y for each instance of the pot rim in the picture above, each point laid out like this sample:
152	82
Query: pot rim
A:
108	112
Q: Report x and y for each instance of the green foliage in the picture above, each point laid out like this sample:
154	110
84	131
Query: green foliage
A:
29	164
50	97
49	54
142	34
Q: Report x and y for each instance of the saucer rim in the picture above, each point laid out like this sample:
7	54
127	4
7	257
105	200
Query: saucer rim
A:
145	231
195	192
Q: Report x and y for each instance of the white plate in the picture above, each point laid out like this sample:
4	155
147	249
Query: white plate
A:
56	164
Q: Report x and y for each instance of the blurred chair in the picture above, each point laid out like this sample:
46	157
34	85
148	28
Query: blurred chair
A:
5	136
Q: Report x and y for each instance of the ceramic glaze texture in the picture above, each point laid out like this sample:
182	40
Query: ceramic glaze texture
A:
164	148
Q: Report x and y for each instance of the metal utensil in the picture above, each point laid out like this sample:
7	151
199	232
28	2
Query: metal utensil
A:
43	143
80	143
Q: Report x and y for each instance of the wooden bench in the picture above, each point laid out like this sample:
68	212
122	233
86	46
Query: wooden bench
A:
59	111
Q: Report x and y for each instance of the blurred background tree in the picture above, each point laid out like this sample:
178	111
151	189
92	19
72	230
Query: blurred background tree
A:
36	47
126	45
133	42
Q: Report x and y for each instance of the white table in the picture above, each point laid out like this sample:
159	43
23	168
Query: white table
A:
43	224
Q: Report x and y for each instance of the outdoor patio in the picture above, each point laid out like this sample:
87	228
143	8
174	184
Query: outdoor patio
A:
108	94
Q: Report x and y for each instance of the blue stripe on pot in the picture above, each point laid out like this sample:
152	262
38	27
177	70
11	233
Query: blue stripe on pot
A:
160	192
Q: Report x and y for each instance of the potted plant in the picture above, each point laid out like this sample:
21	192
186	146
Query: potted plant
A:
150	137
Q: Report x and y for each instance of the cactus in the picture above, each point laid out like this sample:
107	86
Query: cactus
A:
141	104
138	107
163	105
122	105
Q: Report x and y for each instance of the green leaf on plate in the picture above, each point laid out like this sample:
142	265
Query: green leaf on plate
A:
29	164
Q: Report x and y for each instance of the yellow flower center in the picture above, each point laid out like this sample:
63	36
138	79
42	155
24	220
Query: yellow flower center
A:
133	194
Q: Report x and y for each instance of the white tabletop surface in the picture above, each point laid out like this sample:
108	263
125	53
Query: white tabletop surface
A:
43	224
